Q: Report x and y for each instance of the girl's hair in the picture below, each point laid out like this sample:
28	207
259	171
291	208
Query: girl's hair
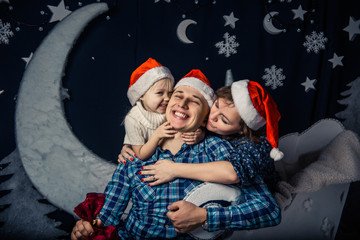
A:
252	135
167	83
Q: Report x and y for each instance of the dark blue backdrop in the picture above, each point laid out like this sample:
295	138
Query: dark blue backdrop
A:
320	46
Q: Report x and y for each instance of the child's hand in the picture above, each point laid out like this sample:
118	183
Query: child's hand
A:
191	138
126	154
165	130
160	172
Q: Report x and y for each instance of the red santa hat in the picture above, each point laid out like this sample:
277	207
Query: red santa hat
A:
144	77
197	80
257	108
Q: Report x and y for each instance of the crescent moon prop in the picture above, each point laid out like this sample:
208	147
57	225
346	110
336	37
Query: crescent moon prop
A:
268	25
58	164
181	30
211	194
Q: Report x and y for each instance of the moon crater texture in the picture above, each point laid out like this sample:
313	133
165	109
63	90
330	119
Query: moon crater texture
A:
58	164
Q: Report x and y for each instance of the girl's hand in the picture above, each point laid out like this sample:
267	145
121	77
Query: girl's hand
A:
165	130
160	172
126	154
192	138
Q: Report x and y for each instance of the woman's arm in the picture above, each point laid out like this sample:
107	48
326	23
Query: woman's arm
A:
165	171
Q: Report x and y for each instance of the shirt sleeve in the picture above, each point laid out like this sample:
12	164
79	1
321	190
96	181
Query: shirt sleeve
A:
257	209
117	196
245	164
218	149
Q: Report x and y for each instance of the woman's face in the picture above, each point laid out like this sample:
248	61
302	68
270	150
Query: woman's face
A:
187	109
224	119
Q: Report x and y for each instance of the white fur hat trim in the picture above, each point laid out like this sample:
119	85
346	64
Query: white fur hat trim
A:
145	81
199	85
244	105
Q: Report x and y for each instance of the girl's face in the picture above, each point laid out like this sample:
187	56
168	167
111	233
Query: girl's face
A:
224	119
157	97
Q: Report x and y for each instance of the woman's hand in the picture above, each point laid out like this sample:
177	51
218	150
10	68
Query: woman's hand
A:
126	153
162	171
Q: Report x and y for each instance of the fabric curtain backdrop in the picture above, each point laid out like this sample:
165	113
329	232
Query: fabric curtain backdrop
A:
305	53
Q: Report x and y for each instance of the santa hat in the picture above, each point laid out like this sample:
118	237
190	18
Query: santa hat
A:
257	108
144	77
197	80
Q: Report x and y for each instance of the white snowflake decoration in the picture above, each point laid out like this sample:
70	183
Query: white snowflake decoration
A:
315	42
273	77
229	46
5	32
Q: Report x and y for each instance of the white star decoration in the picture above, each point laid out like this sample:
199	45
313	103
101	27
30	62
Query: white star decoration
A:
230	20
27	59
59	12
309	84
336	60
353	28
299	13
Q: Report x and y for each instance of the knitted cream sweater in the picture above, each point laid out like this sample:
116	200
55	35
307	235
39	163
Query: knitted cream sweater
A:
140	124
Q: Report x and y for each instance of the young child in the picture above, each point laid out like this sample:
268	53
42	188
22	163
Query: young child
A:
151	85
239	114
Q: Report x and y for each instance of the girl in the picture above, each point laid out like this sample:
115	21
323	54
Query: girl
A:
151	85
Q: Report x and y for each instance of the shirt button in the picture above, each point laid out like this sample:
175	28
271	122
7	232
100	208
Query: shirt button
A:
167	225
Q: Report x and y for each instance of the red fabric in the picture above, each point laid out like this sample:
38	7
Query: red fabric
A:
196	73
88	210
266	107
149	64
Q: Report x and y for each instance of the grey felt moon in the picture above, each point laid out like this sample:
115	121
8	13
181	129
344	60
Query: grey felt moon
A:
181	30
58	164
268	24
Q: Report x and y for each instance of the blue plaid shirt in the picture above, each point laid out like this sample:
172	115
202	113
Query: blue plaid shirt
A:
147	218
257	208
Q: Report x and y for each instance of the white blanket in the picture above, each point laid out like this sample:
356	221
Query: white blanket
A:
338	162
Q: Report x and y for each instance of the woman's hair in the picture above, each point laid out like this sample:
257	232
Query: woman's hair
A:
252	135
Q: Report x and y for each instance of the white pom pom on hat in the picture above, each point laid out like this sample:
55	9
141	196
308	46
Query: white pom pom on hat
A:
257	108
144	77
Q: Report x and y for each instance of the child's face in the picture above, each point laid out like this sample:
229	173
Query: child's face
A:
157	97
224	119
